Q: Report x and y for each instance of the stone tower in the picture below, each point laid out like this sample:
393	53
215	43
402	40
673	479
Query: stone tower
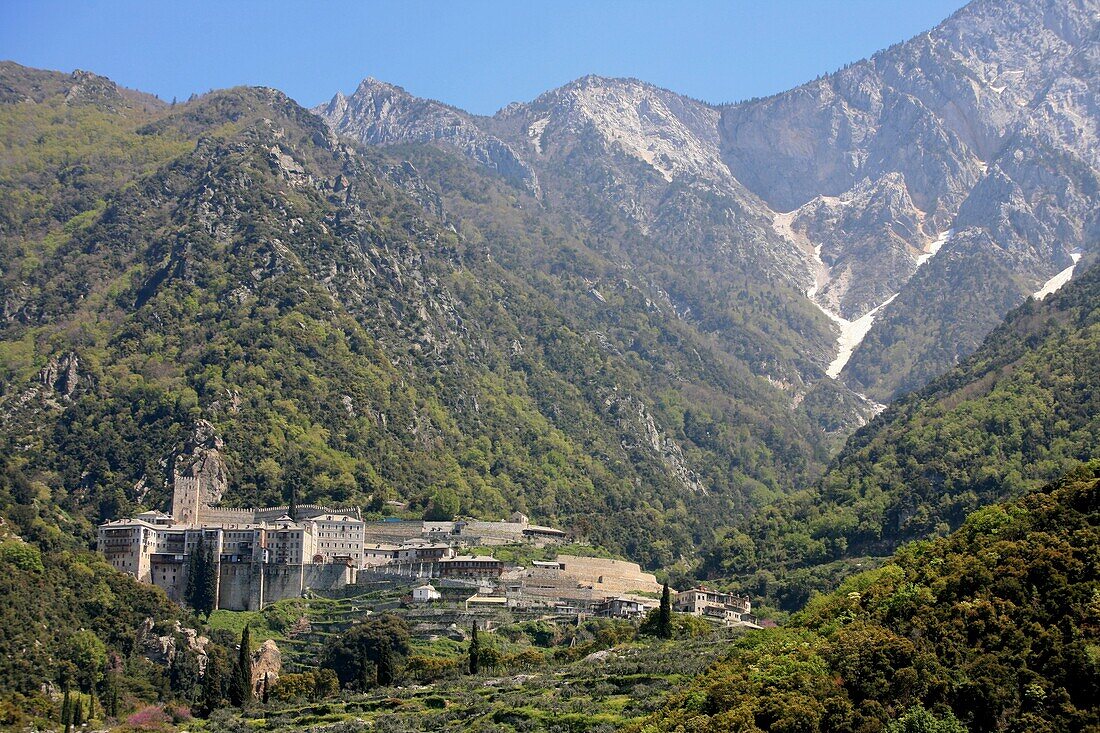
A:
199	477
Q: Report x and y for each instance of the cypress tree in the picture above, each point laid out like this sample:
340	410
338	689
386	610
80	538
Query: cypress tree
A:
110	701
265	692
664	617
208	588
475	651
212	686
201	592
236	690
194	573
387	665
78	712
240	690
67	711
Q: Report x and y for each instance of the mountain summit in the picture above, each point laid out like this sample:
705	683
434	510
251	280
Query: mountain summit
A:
915	196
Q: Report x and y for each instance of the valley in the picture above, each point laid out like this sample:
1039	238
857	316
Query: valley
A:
614	409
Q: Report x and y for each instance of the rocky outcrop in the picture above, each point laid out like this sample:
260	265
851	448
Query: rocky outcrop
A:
384	114
640	432
408	180
868	240
61	375
200	477
89	88
266	663
162	648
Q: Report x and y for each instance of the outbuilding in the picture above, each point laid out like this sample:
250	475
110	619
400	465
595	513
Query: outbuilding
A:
426	593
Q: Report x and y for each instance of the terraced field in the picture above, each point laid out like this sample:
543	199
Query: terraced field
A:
599	691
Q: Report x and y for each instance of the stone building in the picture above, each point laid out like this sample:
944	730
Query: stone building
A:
425	593
262	555
725	608
471	567
623	608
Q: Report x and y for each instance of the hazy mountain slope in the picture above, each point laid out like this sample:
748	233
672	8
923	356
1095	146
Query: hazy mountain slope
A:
845	189
991	118
993	625
350	338
620	167
1016	414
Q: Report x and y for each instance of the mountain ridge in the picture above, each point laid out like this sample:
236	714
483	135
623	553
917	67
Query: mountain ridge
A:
901	135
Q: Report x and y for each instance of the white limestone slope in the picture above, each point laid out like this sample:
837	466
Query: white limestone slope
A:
671	134
935	247
1058	280
853	332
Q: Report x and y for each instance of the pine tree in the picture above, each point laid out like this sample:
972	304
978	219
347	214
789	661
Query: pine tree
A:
386	669
664	618
475	651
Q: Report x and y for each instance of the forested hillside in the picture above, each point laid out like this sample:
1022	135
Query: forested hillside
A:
351	334
1018	413
614	309
991	629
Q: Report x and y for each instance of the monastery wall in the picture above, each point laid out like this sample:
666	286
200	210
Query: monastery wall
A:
610	577
239	587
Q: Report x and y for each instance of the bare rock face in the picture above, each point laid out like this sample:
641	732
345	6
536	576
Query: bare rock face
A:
669	133
384	114
266	662
200	477
640	432
162	648
406	178
990	120
61	375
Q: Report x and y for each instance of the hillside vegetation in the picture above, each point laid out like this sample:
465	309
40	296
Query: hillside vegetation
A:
1018	413
353	335
991	629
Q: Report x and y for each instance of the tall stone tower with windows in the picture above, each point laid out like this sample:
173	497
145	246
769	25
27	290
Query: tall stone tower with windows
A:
199	477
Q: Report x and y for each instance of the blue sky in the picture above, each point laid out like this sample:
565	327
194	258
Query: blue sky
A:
478	55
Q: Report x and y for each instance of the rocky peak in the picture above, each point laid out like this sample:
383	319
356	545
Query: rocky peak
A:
672	134
378	113
89	88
